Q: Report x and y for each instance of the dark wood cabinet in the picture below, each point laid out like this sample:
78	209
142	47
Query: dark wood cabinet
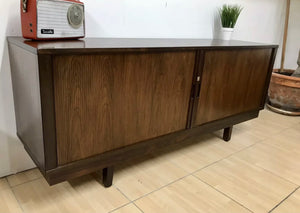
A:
232	82
116	100
89	104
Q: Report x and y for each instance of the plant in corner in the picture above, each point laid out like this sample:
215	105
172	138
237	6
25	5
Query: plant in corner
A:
284	89
229	15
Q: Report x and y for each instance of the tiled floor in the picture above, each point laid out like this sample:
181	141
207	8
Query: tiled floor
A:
257	171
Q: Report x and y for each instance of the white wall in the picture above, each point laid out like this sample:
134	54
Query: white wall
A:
261	21
293	42
13	158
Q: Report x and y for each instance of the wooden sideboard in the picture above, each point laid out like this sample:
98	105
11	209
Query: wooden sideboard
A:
87	105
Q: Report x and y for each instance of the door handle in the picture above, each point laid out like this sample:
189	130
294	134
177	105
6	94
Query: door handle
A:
198	88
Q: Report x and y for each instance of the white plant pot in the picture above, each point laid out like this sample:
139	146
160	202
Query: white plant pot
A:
226	33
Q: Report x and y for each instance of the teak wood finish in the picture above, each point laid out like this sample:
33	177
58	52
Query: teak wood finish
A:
233	81
116	100
87	105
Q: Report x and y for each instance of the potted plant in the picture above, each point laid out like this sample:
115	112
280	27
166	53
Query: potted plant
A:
284	90
229	15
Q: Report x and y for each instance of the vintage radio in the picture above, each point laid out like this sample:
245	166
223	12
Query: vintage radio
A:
52	19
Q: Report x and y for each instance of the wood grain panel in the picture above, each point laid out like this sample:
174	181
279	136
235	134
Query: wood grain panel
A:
138	150
27	101
48	110
104	102
232	82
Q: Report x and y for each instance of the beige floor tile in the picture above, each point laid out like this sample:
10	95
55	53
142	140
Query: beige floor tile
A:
188	195
207	149
24	177
240	137
251	186
140	178
297	126
282	120
261	128
267	124
83	195
285	164
131	208
288	140
3	184
8	202
258	177
290	205
96	195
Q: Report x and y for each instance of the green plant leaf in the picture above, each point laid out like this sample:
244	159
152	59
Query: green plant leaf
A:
229	15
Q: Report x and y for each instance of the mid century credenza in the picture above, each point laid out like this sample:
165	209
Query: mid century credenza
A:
87	105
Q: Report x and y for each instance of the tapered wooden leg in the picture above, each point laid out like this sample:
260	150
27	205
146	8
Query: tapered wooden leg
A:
227	133
108	174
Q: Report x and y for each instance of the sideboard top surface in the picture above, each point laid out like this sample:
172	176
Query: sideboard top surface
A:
90	45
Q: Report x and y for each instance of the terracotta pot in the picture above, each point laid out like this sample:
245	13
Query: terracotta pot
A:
284	93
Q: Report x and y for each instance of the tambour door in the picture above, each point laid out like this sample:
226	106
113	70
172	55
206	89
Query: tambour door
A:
104	102
232	82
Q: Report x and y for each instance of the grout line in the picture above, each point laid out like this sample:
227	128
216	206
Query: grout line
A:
21	207
145	195
266	170
275	147
286	128
29	181
222	193
247	129
122	193
131	202
6	177
8	186
138	207
254	166
124	196
189	174
255	143
228	156
284	199
17	173
120	207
